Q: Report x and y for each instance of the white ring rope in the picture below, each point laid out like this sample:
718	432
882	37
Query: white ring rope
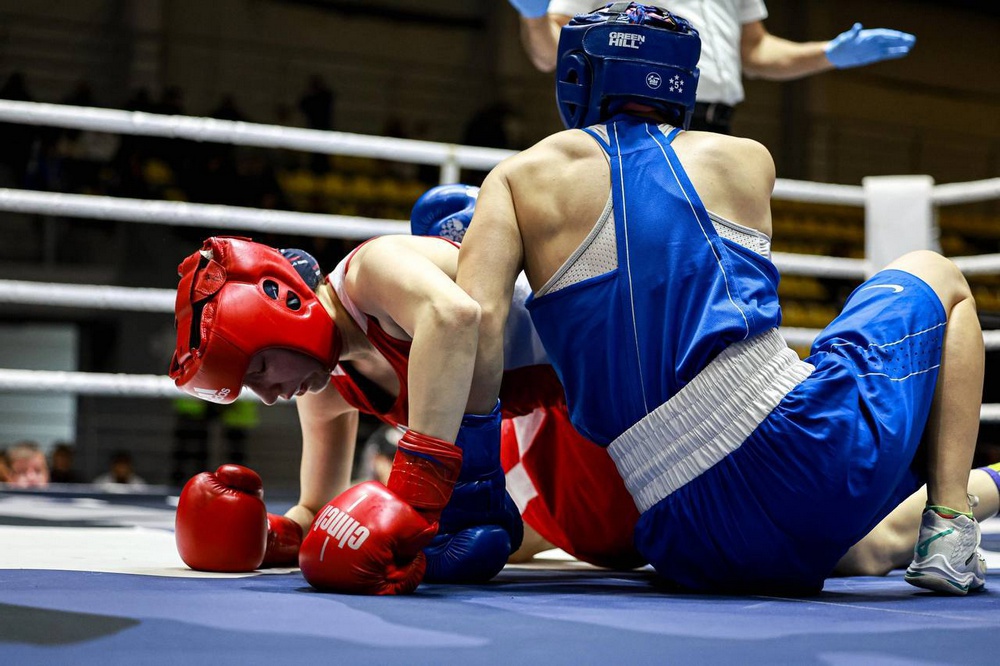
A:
980	264
449	156
91	296
820	266
183	214
959	193
821	193
157	386
89	383
989	413
309	224
250	134
95	383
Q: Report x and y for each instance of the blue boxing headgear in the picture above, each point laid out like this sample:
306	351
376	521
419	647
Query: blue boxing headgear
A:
625	52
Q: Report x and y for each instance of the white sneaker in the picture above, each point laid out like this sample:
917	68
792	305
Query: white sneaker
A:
947	557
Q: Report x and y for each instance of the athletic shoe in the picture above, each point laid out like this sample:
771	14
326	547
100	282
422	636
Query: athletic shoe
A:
947	557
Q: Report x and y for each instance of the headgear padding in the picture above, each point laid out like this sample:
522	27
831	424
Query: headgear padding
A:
626	52
237	298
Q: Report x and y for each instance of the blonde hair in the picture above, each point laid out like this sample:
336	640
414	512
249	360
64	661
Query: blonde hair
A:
23	451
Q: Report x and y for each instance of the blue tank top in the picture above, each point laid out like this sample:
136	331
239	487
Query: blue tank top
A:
624	342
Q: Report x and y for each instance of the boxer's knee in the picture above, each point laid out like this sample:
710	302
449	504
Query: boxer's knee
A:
939	272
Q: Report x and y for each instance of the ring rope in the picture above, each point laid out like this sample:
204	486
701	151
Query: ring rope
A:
241	133
92	296
184	214
310	224
156	386
821	193
971	192
450	156
980	264
121	385
822	266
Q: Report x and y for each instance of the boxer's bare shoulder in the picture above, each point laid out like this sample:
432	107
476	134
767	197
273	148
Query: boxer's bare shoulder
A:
568	160
734	177
559	188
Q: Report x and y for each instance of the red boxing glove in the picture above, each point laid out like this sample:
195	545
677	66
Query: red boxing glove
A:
221	521
369	539
424	472
366	541
222	524
284	537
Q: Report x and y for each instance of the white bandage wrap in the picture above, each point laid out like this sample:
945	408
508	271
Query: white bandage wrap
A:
708	419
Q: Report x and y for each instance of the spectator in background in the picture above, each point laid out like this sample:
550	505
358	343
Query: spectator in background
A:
488	126
175	152
83	154
62	469
317	105
228	109
258	181
132	150
734	42
17	139
140	101
377	454
28	467
220	173
4	467
121	473
171	101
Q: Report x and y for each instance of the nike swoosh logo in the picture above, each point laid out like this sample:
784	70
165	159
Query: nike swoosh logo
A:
895	287
925	545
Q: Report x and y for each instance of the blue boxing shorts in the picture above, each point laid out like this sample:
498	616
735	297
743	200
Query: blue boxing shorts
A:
830	461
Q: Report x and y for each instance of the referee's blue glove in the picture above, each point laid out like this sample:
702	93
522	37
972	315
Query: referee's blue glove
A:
862	47
531	8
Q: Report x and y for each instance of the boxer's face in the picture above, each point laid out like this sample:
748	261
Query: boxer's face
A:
283	373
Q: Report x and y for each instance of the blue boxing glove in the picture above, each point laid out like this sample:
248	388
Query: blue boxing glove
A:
862	47
445	210
531	8
481	525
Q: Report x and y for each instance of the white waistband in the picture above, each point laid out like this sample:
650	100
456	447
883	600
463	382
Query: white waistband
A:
708	419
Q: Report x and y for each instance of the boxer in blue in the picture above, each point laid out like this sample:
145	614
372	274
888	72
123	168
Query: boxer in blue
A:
647	249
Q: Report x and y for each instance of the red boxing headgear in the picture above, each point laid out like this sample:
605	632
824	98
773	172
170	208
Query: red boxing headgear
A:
237	298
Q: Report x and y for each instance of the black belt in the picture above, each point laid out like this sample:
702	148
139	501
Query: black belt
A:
713	112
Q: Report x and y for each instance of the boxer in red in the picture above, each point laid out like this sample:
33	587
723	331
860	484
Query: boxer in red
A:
350	345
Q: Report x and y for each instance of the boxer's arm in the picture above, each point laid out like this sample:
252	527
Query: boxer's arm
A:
540	38
407	283
488	264
329	430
